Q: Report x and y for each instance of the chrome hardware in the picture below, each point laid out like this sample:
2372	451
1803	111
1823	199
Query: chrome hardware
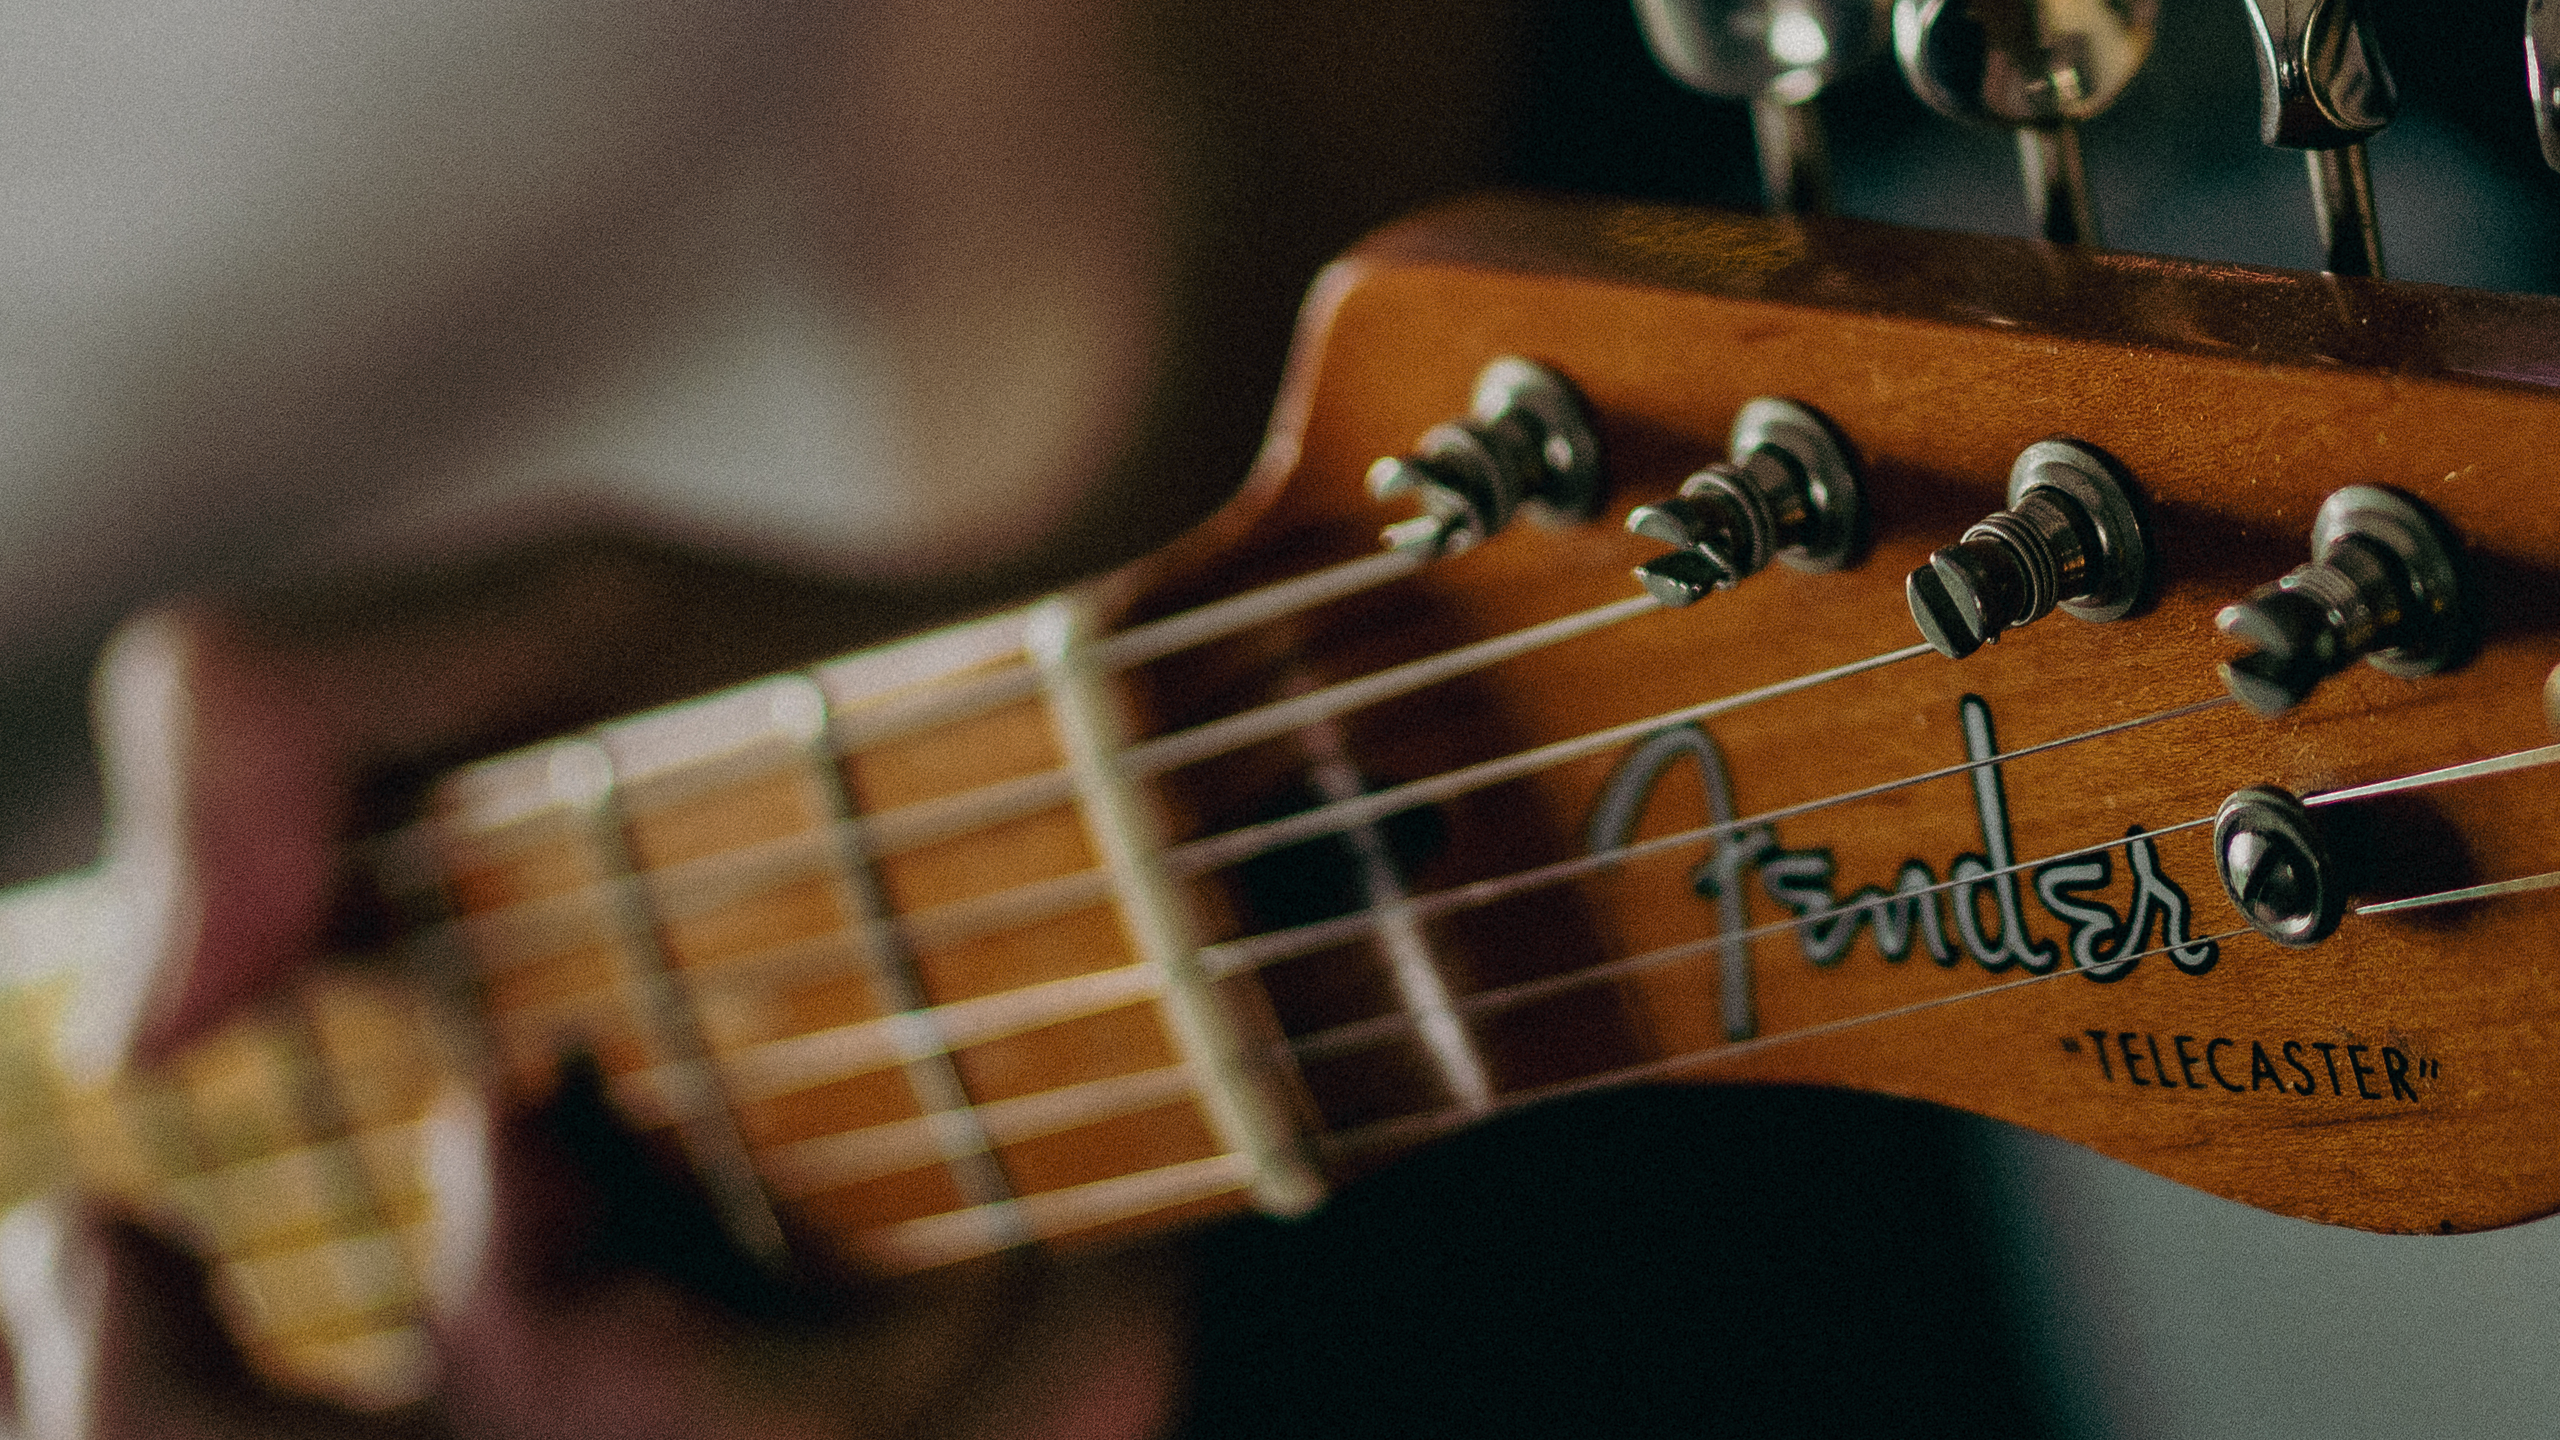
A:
1527	443
2542	73
2383	586
2037	67
2275	867
1790	494
2323	90
1774	55
2072	538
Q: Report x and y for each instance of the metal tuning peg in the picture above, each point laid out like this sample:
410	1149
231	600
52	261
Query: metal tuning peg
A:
2383	586
2072	538
2324	91
2037	67
1789	494
2275	867
2542	73
1527	442
1775	56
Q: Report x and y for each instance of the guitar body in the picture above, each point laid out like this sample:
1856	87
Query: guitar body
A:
760	915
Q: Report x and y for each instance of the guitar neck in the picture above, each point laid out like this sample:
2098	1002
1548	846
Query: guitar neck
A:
1007	933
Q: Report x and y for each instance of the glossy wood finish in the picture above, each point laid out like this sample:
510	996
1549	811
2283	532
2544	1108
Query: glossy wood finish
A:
2238	399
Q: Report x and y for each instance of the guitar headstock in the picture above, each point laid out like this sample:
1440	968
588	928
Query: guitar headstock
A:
1865	892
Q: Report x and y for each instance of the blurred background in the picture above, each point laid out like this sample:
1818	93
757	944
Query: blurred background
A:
197	191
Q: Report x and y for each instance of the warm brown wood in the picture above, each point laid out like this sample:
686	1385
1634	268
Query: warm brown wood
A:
2237	398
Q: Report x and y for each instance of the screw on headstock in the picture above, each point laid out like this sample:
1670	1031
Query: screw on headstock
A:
1775	56
2383	586
2072	539
1527	443
2324	90
2275	867
1789	494
2036	67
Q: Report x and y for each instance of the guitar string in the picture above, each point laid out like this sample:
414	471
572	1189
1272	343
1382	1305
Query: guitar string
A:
958	699
1218	619
1415	1128
959	921
1235	956
798	1061
819	1158
1230	847
1263	722
890	832
2426	779
1356	1033
793	1061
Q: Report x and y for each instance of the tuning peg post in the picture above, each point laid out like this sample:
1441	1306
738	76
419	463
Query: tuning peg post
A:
2035	67
1775	56
1790	494
1526	443
2323	90
2384	586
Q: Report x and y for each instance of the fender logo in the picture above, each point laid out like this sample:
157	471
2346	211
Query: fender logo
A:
1985	914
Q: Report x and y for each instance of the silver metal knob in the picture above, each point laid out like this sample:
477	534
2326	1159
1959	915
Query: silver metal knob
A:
1775	56
2323	90
2037	67
2542	71
1789	494
2276	868
1526	443
2072	539
2384	586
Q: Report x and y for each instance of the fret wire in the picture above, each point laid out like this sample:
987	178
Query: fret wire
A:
1411	1129
703	1118
924	822
331	1132
813	1166
776	1069
888	962
1248	727
1233	957
1356	1033
896	829
964	1234
800	1062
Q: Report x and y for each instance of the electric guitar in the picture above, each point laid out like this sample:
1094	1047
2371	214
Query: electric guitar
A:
1238	873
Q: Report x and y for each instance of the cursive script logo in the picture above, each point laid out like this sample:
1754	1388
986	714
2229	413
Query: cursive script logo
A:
1981	911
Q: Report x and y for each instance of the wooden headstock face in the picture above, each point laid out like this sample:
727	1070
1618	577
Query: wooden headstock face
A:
2392	1076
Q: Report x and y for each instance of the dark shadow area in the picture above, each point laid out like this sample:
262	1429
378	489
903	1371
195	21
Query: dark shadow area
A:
1727	1262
